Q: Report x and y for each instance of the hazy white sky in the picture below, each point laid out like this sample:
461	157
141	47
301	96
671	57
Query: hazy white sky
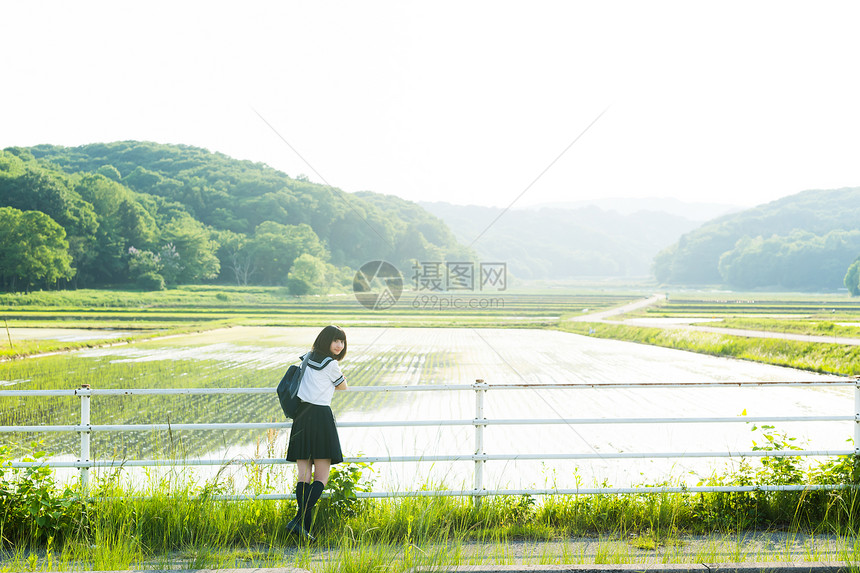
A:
467	102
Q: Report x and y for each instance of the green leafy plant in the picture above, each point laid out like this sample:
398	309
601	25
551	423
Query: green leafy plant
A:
32	509
781	470
343	484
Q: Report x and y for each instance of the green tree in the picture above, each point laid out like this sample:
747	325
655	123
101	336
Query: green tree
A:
753	262
135	224
123	223
852	278
799	260
33	250
236	256
269	207
196	250
662	265
142	262
276	247
170	263
110	172
307	275
28	187
145	268
142	179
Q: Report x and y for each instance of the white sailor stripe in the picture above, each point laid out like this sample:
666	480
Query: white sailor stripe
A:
318	364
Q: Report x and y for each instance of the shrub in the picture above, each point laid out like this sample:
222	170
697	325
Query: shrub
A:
151	281
298	287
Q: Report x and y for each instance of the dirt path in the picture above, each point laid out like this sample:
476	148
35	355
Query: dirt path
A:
629	307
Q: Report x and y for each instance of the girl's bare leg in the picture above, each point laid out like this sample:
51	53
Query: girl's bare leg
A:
322	468
304	470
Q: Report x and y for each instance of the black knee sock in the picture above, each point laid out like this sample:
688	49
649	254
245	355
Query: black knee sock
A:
302	491
315	491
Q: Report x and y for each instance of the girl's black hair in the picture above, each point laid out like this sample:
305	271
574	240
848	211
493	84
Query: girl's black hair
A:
322	345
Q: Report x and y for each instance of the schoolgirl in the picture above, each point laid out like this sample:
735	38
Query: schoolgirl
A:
314	444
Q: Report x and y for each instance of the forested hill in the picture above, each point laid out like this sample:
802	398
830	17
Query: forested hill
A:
804	241
146	212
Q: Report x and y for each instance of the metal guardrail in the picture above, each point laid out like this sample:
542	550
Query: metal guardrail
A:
480	422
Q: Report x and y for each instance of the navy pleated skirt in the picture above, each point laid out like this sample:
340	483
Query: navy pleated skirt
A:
314	435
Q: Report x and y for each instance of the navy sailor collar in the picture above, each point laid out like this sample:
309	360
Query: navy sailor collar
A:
318	361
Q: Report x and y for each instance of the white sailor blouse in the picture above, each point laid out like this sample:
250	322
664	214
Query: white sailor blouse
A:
321	376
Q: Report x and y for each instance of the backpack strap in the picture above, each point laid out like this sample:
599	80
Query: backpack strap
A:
305	363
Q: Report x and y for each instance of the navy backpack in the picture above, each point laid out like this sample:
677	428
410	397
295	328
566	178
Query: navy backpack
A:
288	388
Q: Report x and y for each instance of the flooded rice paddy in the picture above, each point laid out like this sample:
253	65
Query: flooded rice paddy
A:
65	334
257	356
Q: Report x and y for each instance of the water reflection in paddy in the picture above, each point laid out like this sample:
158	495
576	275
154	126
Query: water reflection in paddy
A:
415	356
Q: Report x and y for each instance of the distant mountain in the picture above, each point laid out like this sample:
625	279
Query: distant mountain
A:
554	243
803	241
629	205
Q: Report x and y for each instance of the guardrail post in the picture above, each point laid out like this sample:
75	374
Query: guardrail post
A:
480	390
85	436
856	417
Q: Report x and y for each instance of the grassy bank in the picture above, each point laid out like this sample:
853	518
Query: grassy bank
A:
797	313
810	327
816	357
174	518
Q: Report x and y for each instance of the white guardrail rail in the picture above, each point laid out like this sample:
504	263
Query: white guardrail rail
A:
480	422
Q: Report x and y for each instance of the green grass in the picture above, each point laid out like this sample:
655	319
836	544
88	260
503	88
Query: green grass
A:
794	313
250	299
838	359
187	295
174	520
811	326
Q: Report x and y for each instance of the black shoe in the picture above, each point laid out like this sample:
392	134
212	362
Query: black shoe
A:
298	529
295	527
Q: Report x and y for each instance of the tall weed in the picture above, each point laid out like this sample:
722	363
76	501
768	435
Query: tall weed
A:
118	525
